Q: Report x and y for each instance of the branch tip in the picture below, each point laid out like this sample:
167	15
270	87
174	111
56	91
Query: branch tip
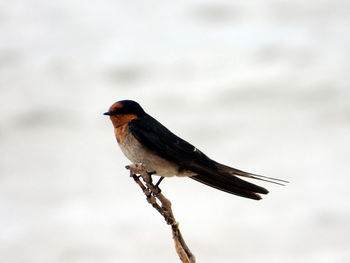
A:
153	195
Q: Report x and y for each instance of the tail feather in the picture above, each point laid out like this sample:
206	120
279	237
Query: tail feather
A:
225	179
233	171
227	186
231	184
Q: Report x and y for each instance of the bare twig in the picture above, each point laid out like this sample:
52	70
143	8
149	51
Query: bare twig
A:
164	208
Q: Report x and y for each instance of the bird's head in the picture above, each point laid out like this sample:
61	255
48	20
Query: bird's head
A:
123	111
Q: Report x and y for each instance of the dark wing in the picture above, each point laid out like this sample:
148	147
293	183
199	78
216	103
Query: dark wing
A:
159	139
163	142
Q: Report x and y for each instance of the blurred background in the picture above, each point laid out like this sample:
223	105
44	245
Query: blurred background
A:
262	86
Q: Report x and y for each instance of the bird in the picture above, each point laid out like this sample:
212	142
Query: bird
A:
145	140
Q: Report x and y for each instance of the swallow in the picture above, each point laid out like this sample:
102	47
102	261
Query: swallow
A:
144	140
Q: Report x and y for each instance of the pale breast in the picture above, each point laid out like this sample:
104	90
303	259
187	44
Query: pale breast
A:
137	153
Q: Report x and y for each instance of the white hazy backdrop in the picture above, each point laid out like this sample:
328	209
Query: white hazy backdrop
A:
262	86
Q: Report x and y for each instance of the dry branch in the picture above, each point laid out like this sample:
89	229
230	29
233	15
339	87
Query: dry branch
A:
164	208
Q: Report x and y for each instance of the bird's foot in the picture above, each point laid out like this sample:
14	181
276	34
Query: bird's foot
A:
158	190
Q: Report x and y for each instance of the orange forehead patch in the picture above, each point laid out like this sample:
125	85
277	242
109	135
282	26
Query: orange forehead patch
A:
116	106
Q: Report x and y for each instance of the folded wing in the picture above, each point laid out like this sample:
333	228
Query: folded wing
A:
163	142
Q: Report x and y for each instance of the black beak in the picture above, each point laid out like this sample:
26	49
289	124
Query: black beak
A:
108	113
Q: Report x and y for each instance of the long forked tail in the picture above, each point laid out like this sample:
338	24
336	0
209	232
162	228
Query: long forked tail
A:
233	171
225	179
